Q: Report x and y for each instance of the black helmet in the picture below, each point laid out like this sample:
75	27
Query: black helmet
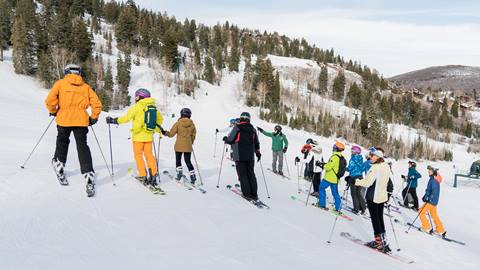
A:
278	128
245	116
309	141
186	112
413	163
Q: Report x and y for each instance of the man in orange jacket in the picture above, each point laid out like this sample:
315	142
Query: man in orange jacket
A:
68	100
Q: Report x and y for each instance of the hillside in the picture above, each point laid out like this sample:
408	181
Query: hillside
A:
460	78
47	226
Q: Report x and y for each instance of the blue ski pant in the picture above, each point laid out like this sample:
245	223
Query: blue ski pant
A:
324	184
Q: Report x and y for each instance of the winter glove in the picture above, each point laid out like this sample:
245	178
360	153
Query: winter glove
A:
163	131
54	114
284	149
425	199
224	138
319	164
260	129
111	120
259	155
92	121
350	180
404	178
216	130
297	159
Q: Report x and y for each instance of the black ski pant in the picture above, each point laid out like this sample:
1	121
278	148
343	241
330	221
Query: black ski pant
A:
246	176
357	198
317	177
376	215
63	141
413	193
187	156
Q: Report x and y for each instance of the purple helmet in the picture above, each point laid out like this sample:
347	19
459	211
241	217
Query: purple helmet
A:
143	93
356	150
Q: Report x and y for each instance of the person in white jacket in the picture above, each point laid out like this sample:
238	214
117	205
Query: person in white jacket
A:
379	189
313	160
227	130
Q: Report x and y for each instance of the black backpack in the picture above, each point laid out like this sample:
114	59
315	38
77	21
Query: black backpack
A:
342	167
150	119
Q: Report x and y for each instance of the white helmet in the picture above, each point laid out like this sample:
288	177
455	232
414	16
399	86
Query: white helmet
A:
72	69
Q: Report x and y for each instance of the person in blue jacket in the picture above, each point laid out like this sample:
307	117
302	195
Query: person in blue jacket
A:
431	198
356	168
412	184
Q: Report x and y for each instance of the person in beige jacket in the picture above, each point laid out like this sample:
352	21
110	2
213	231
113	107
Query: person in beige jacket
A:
185	131
380	187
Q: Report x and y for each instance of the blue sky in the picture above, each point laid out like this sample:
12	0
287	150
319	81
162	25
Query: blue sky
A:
391	36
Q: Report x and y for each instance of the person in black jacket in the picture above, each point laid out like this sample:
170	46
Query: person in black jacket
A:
245	146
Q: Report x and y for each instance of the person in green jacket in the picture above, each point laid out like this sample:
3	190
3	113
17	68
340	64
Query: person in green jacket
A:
279	147
331	178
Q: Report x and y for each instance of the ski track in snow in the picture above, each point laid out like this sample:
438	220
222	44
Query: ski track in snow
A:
48	226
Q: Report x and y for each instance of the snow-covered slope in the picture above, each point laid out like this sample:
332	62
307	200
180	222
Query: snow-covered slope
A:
47	226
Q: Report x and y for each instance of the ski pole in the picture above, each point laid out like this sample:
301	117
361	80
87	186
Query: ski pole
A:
158	149
329	241
198	168
406	193
111	151
286	163
309	190
215	146
298	179
221	165
103	156
393	228
264	180
156	161
413	222
36	145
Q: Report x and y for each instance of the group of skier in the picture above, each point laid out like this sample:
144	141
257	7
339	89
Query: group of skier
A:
370	180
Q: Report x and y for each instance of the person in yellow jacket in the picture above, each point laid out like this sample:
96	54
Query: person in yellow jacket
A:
185	131
142	134
331	177
68	101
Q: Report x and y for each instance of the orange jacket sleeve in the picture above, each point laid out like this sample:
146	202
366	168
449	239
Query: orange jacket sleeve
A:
95	103
52	98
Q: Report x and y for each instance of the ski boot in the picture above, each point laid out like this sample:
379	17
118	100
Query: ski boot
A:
441	234
90	177
280	173
193	178
377	241
59	168
142	179
179	174
385	248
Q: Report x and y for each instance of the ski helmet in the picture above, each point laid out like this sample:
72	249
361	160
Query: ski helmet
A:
309	141
142	93
278	128
356	150
186	112
233	121
306	148
338	146
72	69
245	116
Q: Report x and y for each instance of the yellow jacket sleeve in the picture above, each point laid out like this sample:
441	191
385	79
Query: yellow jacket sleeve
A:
159	118
95	103
128	116
52	99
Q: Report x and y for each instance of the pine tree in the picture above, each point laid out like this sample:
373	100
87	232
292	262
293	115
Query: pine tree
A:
323	80
208	73
234	58
45	72
126	26
354	96
198	59
106	93
81	40
454	109
122	97
339	87
170	50
77	8
275	94
5	25
364	122
219	58
23	37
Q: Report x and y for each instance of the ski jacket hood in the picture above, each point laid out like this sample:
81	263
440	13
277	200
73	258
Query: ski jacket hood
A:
136	114
186	132
70	98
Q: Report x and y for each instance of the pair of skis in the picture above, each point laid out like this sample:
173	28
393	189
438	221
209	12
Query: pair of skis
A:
329	210
157	190
62	179
237	190
184	182
443	237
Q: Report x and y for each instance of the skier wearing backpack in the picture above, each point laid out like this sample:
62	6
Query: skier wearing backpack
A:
68	101
412	183
379	186
227	130
146	120
279	147
431	198
245	145
355	169
186	132
311	152
334	170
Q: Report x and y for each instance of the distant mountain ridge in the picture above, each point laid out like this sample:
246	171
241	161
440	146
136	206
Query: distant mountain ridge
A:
450	77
